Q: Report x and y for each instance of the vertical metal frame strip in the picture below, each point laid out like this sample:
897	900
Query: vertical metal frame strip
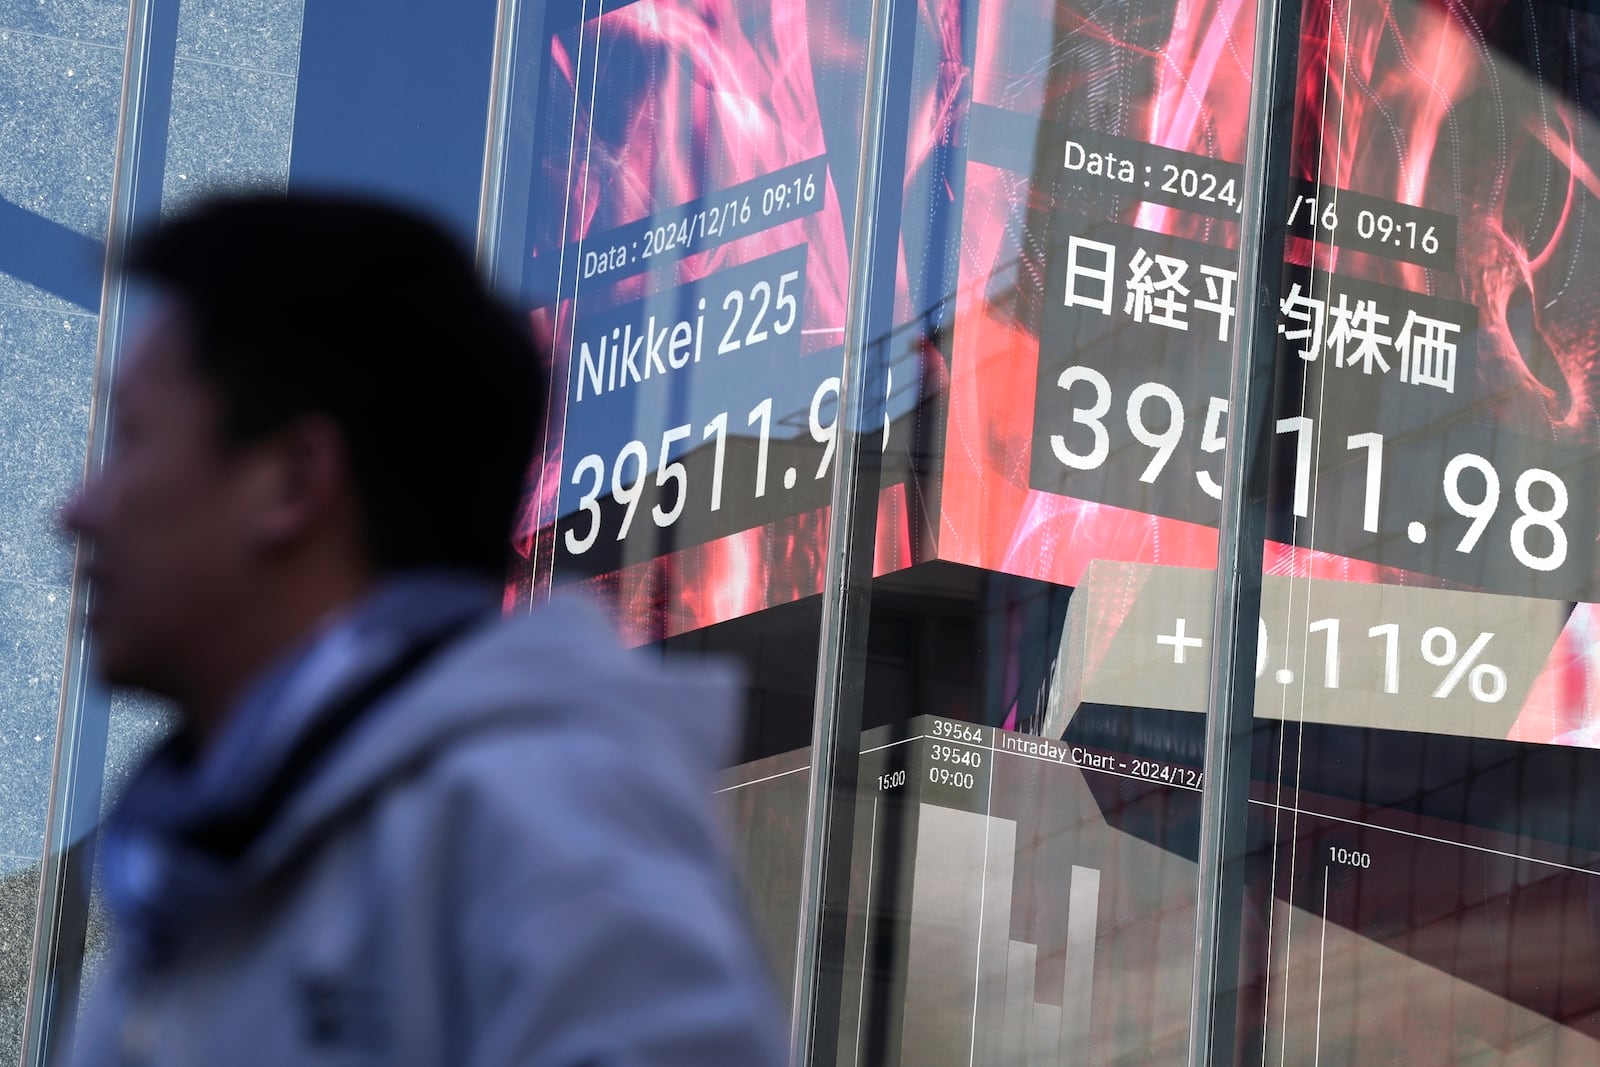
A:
846	600
78	771
1230	704
491	197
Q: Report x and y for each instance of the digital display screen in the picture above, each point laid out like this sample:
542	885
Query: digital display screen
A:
689	262
1421	876
1429	443
1434	399
1428	606
1065	297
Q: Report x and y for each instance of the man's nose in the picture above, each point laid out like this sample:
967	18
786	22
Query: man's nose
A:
75	516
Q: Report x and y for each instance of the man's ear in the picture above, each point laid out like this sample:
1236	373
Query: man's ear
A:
304	484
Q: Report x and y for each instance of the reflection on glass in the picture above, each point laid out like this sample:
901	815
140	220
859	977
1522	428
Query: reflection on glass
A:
1423	885
694	170
687	257
1021	892
1057	313
1024	882
1096	299
764	794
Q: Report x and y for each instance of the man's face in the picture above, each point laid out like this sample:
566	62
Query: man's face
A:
167	519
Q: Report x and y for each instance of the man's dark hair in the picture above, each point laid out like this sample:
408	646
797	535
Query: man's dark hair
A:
376	319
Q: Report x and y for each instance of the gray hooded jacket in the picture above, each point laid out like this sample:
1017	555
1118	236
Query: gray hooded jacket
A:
512	858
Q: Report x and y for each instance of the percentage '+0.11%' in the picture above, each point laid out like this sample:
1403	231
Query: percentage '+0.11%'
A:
1439	647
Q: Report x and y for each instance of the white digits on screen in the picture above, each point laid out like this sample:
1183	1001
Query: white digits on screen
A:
762	289
786	302
1480	512
1211	440
1090	417
730	342
718	428
825	435
761	413
1164	442
1301	426
589	503
1390	632
1545	519
1261	646
628	494
1373	443
671	471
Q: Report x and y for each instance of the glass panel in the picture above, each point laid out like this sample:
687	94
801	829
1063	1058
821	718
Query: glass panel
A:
60	74
688	180
222	96
214	107
765	792
1424	884
1027	815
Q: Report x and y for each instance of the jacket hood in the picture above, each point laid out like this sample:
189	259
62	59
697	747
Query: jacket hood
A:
529	673
418	669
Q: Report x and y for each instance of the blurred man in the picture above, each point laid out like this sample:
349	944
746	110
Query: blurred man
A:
391	828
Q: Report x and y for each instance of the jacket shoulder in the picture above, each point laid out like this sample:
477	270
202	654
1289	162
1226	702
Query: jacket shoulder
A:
594	910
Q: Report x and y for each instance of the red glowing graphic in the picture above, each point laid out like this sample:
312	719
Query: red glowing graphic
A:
1390	94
